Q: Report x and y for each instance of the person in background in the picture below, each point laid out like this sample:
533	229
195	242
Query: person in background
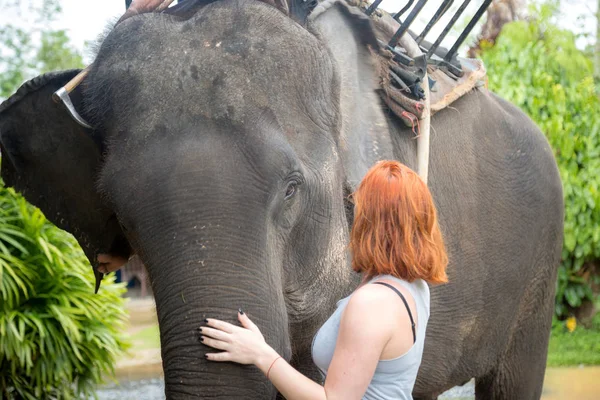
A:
144	6
371	347
147	6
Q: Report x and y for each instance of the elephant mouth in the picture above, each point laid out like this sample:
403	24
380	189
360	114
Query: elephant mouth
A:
120	249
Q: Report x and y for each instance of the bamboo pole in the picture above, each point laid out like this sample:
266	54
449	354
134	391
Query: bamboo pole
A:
413	50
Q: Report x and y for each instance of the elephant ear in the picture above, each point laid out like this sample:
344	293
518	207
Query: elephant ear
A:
53	162
350	38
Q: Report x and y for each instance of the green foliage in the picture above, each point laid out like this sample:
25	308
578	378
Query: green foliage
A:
57	338
15	45
580	347
55	54
536	65
27	52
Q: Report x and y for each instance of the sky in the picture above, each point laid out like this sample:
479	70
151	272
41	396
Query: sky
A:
84	20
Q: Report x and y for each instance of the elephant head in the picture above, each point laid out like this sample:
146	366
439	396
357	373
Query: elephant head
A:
225	143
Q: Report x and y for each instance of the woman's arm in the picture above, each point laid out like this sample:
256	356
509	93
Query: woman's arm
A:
288	381
363	334
366	327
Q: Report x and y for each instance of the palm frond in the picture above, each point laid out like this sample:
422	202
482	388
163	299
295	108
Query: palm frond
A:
57	339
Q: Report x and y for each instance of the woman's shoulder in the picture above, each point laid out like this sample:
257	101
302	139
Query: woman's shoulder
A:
418	287
370	306
378	307
376	300
415	292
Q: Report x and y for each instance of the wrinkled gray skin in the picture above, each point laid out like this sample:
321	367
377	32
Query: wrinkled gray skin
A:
204	123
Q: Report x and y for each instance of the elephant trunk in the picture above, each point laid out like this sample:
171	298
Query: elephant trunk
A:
211	274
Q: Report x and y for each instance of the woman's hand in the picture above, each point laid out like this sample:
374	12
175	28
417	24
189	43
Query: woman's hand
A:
247	346
243	345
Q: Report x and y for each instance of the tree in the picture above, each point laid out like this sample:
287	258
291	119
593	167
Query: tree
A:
27	52
499	13
597	45
57	338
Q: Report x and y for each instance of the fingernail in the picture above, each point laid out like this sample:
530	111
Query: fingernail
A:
206	356
206	321
202	338
200	329
240	310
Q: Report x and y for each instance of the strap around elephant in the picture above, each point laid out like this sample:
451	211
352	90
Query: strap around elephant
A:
412	321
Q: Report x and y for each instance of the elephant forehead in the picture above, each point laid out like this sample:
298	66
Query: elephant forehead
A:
228	60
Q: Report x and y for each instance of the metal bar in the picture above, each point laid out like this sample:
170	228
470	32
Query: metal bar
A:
403	59
452	52
445	6
451	68
373	7
406	24
406	76
400	82
398	56
406	7
449	26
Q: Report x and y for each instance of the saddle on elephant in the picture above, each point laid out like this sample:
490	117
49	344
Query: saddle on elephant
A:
401	76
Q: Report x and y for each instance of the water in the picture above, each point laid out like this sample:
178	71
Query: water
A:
560	384
154	389
465	392
147	389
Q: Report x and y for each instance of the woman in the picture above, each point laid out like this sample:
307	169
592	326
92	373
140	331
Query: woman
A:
371	347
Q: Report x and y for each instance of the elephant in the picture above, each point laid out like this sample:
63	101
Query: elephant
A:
225	144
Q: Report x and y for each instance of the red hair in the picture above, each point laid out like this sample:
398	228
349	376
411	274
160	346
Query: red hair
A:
395	228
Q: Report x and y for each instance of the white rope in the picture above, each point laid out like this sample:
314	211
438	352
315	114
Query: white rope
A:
413	51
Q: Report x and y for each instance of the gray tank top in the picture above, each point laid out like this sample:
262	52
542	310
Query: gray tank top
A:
394	378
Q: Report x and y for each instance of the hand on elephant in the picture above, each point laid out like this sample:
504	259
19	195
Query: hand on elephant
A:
243	345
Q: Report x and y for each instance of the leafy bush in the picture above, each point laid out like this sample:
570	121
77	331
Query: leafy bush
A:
580	347
536	65
57	338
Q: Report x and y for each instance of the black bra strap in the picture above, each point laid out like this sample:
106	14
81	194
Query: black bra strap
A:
412	321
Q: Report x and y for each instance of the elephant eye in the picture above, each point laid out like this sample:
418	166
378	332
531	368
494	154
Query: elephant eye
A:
291	189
